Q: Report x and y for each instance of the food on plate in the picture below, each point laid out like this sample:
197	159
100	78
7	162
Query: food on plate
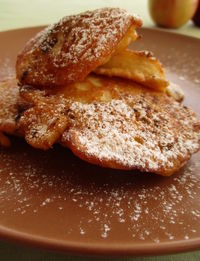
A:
9	104
69	50
113	123
14	105
80	86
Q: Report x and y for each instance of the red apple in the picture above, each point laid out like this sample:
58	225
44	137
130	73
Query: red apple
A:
196	17
172	13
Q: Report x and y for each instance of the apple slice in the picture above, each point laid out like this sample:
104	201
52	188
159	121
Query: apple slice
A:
139	66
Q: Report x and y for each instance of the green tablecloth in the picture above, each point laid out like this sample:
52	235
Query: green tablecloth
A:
13	252
25	13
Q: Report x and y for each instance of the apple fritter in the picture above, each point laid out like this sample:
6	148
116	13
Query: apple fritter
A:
97	40
69	50
113	123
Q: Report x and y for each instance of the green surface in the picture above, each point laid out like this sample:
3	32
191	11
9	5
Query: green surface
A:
13	252
25	13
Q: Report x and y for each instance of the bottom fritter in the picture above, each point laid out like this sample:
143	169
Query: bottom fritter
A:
9	104
113	123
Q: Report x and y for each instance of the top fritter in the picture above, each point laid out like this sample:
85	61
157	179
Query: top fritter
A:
68	51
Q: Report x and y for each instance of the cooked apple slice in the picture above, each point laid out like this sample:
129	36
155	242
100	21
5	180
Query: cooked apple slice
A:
139	66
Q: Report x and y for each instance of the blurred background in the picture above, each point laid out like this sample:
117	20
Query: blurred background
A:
25	13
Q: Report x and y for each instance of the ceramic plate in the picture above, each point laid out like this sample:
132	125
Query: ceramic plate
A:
54	200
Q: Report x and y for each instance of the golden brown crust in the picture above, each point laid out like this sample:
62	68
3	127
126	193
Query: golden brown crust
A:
44	123
9	109
9	96
69	50
10	103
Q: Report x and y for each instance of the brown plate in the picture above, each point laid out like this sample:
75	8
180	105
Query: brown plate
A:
54	200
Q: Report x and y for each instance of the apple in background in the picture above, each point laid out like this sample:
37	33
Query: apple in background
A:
196	17
172	13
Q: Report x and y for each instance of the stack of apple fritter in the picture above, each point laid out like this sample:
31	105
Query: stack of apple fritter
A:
79	85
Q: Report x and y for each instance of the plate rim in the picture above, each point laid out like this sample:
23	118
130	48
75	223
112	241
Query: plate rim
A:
102	249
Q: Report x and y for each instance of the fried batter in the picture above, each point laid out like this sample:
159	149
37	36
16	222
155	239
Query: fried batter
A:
69	50
9	99
44	123
113	123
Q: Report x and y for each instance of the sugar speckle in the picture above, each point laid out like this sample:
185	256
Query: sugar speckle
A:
105	231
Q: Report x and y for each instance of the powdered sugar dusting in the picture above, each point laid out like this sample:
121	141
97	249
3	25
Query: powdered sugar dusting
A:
130	128
128	206
9	96
133	133
70	49
133	206
6	68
